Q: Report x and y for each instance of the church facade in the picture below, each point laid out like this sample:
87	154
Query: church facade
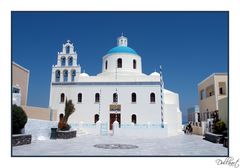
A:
121	92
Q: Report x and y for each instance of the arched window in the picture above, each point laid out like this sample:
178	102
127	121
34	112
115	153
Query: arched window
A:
70	61
57	76
62	97
67	49
97	98
134	98
119	63
106	64
115	97
79	97
63	61
73	75
134	64
65	75
152	97
134	119
96	118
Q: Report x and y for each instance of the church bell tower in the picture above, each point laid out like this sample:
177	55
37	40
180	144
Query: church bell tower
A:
66	69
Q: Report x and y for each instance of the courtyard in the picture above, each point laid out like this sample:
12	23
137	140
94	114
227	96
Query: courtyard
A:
93	145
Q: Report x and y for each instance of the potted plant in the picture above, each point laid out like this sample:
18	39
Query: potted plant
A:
63	119
19	119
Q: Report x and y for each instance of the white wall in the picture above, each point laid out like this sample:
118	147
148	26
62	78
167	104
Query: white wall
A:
41	129
172	113
146	112
85	111
127	63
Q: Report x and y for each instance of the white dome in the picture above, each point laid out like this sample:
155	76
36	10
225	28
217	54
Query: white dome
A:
155	74
84	74
122	59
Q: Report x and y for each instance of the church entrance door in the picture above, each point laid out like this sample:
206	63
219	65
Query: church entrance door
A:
113	118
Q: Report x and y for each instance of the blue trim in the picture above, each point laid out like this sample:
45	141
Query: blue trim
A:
105	83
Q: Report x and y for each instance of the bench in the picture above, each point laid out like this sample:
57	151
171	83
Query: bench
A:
215	138
21	139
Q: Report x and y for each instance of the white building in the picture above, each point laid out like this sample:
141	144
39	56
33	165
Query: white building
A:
120	92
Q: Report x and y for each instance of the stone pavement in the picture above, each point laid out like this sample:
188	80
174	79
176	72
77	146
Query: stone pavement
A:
86	145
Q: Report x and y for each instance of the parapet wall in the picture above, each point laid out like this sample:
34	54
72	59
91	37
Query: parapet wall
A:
142	130
40	113
199	128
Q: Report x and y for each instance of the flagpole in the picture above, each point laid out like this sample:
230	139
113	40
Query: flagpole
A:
99	108
162	96
116	94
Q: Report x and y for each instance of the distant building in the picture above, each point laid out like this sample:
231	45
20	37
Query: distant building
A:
20	80
193	114
211	92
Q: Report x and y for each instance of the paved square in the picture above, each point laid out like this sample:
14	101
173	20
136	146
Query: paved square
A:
85	145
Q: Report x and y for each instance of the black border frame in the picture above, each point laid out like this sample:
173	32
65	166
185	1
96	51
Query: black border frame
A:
11	60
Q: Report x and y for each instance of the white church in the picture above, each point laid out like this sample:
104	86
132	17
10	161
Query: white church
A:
121	92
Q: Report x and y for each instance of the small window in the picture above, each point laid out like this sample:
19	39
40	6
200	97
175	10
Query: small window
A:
57	76
62	97
134	98
79	97
202	94
221	91
119	63
67	49
63	61
222	88
70	61
134	119
210	91
152	97
106	64
73	75
134	64
96	118
97	98
115	97
15	90
65	75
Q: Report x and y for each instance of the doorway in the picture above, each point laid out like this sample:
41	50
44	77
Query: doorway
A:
112	119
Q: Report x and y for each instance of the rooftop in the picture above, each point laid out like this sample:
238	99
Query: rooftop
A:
212	75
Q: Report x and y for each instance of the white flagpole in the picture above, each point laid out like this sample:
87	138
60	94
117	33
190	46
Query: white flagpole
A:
162	96
99	110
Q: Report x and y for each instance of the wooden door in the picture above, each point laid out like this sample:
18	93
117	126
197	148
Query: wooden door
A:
113	118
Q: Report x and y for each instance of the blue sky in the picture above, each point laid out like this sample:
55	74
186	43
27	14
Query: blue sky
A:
189	45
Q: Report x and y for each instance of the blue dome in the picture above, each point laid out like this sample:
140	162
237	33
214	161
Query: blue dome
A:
121	49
